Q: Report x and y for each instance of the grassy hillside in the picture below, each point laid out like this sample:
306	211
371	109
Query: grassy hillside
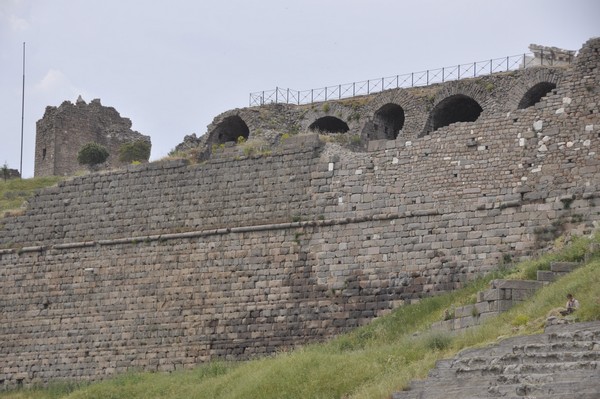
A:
14	192
370	362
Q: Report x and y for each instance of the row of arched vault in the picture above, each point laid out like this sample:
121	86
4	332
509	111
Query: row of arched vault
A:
397	113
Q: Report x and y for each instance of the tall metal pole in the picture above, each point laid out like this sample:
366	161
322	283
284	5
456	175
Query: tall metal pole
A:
22	113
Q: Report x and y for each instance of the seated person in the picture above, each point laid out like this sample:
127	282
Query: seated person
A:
572	305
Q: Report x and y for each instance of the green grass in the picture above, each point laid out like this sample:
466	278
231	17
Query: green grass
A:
14	192
370	362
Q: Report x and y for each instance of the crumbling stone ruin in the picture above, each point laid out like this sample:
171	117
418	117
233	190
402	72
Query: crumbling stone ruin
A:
321	218
63	130
7	173
550	56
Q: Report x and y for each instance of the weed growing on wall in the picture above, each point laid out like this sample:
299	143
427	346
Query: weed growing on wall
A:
136	151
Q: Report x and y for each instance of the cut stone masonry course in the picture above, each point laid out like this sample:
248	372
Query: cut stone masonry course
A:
135	268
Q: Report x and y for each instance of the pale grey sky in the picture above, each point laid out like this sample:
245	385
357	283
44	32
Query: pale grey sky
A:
172	66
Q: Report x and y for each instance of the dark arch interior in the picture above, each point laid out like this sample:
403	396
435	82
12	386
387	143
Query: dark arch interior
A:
388	122
230	129
535	94
329	124
456	108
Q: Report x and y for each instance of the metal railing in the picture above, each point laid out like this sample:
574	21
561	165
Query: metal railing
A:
424	78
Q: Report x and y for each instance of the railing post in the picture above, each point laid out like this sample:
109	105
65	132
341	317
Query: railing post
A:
254	99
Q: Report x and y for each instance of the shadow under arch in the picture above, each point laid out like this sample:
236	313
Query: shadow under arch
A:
388	120
535	94
329	124
230	129
456	108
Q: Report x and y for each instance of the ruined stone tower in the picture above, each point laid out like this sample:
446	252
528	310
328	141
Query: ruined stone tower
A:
63	130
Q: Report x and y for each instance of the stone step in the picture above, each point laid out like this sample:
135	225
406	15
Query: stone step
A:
504	386
464	371
510	346
574	336
565	351
557	269
564	267
557	347
530	358
546	276
590	327
510	375
567	389
589	394
576	392
516	284
494	371
448	391
564	362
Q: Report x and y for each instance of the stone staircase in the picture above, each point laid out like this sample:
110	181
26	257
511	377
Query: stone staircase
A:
500	297
563	362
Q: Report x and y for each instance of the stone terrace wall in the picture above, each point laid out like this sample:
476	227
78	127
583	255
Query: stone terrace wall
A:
171	197
166	265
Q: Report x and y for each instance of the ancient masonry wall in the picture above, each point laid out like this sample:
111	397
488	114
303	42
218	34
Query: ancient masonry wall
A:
166	265
63	130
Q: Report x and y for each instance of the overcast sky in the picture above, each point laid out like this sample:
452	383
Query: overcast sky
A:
172	66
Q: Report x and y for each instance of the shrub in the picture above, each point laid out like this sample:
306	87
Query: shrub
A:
92	154
5	171
438	341
520	320
255	147
138	150
449	314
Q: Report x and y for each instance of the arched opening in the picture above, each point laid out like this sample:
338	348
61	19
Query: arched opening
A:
230	129
535	94
456	108
329	124
387	122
